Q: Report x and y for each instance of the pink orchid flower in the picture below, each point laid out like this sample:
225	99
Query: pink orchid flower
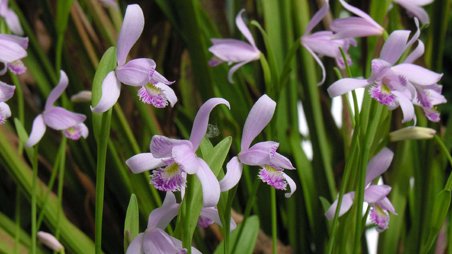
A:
262	154
6	93
13	48
10	17
414	8
140	72
58	118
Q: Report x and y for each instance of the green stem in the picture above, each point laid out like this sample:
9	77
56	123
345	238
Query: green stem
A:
17	217
33	200
59	53
102	143
274	221
267	75
61	185
445	151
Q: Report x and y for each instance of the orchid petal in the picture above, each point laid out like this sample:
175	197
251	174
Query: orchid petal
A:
111	88
37	131
417	52
292	185
84	130
209	184
135	247
11	51
417	11
345	85
386	204
417	74
143	162
131	29
13	22
406	105
281	161
375	193
258	118
394	46
57	91
21	41
212	214
6	91
156	77
186	158
233	174
168	92
243	28
157	241
352	27
59	118
234	69
318	16
346	204
379	164
360	13
162	147
233	51
202	120
135	72
162	216
319	62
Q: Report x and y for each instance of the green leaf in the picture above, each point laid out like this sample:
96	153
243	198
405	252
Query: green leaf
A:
247	240
23	136
132	222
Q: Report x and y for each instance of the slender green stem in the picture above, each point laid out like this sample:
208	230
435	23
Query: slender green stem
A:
17	218
445	151
274	221
267	75
61	185
34	200
100	177
59	52
355	99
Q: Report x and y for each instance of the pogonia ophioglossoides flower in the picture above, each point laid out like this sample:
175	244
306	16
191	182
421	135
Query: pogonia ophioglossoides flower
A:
352	27
6	93
10	18
414	8
262	154
324	43
140	72
12	49
374	195
235	51
155	240
172	159
58	118
401	85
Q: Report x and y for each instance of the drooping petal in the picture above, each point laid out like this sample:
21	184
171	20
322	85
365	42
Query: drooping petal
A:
143	162
292	185
168	92
233	174
162	216
57	91
156	77
209	184
386	204
346	204
84	130
345	85
37	131
406	105
375	193
280	161
243	28
360	13
379	164
131	29
162	147
135	247
234	69
319	15
414	9
417	74
6	91
21	41
59	118
11	51
233	51
202	120
13	22
353	27
394	46
318	61
136	72
209	215
260	115
185	157
111	88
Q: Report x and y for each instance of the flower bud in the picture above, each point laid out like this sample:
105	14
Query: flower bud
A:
83	96
412	133
50	241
